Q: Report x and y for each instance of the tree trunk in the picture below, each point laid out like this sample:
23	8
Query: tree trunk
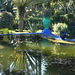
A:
20	25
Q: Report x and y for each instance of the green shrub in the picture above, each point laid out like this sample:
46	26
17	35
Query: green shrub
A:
71	19
33	24
6	20
71	23
47	13
59	18
60	28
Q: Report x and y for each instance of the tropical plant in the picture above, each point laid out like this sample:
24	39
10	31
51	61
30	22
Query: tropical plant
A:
15	22
7	5
59	17
21	4
47	13
67	6
60	28
6	20
33	24
2	3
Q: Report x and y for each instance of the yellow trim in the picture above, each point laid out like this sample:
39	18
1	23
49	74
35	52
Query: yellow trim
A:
61	41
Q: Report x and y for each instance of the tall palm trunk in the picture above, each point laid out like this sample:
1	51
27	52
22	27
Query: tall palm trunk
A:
21	11
20	25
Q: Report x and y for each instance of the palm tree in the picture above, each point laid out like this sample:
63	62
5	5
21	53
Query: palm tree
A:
7	5
2	3
21	4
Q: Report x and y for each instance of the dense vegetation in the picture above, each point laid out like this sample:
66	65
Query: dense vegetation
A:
28	14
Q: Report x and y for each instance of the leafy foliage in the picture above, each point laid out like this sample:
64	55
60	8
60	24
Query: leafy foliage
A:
47	13
59	17
60	28
21	4
2	3
15	23
6	20
7	6
33	24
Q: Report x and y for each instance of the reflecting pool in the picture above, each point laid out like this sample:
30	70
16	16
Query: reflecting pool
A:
34	55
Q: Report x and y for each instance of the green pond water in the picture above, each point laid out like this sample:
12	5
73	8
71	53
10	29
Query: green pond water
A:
34	55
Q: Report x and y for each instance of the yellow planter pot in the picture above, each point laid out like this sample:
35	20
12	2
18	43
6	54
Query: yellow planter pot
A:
5	30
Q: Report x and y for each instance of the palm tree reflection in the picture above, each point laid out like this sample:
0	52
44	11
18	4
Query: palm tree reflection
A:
28	62
0	69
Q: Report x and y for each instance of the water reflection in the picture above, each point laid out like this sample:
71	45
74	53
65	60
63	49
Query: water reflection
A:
60	66
1	69
5	39
23	62
46	43
29	62
33	56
